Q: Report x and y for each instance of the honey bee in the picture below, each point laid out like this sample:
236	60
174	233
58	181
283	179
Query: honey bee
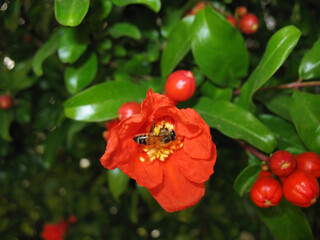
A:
164	137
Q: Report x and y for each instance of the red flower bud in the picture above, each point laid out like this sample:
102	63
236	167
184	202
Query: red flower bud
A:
309	162
266	192
282	163
301	189
180	85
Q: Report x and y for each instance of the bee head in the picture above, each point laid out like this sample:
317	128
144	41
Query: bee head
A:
173	135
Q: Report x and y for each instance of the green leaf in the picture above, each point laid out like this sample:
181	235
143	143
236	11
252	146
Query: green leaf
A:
310	65
236	122
154	5
6	119
211	91
217	48
101	102
125	29
284	131
53	141
19	77
79	77
117	182
72	45
305	112
277	103
12	15
45	51
178	45
71	12
100	10
246	178
286	221
278	49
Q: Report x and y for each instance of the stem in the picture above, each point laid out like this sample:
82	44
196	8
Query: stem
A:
254	151
294	85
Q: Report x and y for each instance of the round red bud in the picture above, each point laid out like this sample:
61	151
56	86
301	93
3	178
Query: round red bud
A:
180	85
309	162
128	109
231	19
5	102
249	24
282	163
241	11
301	189
266	192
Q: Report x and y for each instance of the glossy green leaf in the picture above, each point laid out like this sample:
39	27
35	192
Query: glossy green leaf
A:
100	10
245	179
154	5
278	49
71	12
6	119
178	45
310	65
124	29
305	112
286	221
170	20
79	77
12	15
45	51
72	45
153	52
211	91
101	102
137	65
236	122
117	182
277	103
284	131
218	47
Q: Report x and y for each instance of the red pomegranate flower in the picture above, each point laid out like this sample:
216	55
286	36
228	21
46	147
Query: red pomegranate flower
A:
55	231
175	156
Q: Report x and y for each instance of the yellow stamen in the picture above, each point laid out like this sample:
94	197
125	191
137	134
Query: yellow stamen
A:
161	151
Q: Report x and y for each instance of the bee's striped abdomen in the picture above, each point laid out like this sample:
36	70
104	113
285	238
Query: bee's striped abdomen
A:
141	139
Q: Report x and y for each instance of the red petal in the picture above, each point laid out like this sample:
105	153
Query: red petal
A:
121	133
195	170
176	192
198	147
147	174
107	159
154	101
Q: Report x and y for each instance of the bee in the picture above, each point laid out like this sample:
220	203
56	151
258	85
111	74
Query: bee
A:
164	137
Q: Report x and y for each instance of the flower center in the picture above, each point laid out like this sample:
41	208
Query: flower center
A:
162	142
